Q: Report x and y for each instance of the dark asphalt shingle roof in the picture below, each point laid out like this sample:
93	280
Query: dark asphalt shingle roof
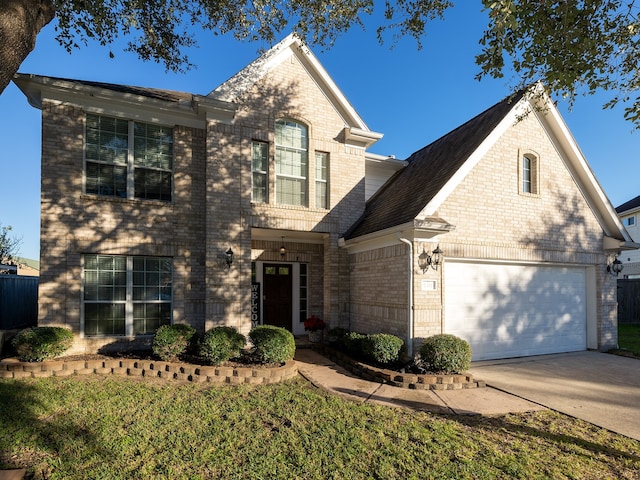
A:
402	198
633	203
159	94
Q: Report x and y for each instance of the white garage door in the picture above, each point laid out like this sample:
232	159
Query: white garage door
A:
507	311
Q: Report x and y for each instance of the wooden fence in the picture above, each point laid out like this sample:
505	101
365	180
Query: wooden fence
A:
18	302
629	301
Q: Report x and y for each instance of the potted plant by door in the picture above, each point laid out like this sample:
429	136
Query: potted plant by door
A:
315	326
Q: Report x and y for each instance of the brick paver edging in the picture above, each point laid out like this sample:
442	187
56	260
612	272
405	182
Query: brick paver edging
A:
13	368
405	380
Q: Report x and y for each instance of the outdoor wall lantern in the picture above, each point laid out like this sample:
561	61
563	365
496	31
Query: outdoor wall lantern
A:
228	258
426	260
615	267
283	251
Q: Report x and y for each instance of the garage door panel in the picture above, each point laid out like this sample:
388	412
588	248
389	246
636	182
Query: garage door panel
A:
516	310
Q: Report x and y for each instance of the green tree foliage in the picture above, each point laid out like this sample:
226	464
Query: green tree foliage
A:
572	46
9	246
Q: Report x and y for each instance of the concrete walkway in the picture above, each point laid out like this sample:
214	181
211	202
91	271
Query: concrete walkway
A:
333	378
601	388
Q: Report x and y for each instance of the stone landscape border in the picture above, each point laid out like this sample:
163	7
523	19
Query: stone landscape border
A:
427	381
13	368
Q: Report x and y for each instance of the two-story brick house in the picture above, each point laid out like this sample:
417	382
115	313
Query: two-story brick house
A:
146	193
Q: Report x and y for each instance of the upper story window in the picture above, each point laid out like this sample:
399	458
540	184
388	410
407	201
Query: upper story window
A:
630	221
322	180
291	163
128	159
259	172
528	174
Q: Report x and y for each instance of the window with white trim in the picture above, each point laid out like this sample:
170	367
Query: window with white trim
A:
128	159
322	180
528	174
630	221
126	295
259	172
291	163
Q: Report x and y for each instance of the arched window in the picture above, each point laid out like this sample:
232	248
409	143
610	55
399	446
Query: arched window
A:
292	162
529	174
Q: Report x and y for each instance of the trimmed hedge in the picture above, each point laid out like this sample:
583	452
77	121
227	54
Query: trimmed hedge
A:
272	344
221	344
171	341
36	344
382	348
446	353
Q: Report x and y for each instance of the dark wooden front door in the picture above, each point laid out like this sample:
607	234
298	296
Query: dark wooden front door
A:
277	303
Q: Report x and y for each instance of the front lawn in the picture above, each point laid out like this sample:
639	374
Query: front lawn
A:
123	428
629	338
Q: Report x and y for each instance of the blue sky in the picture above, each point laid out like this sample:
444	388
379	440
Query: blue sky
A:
413	97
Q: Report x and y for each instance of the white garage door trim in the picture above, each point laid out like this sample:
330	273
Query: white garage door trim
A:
509	310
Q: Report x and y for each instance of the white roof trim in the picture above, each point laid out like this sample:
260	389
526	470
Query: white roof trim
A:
190	111
568	149
457	178
252	73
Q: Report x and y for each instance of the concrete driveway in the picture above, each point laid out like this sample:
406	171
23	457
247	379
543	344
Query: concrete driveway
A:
601	388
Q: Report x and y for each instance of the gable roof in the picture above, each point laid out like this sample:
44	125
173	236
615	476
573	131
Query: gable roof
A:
630	205
413	195
232	89
405	195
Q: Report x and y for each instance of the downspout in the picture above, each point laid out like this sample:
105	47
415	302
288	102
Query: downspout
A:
409	298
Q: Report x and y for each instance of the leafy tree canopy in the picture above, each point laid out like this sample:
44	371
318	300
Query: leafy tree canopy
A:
9	247
572	46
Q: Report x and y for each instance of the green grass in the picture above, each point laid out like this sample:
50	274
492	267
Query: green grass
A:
629	338
123	428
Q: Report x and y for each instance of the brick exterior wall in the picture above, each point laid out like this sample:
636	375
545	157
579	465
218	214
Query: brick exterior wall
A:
73	224
211	212
287	91
493	221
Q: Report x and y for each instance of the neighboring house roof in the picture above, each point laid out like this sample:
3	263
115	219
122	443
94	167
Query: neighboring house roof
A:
630	205
412	196
245	79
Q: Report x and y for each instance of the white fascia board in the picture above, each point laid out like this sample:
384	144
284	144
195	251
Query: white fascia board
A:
359	138
108	102
576	163
389	236
458	177
384	159
331	90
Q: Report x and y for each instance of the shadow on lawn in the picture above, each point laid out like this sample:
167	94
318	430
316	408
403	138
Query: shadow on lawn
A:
27	437
520	432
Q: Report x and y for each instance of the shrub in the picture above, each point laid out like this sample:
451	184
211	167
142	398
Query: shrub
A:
36	344
171	341
353	342
445	353
382	348
272	344
337	335
221	344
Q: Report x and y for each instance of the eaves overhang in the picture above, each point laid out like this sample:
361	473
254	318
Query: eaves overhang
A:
614	244
358	137
177	108
416	229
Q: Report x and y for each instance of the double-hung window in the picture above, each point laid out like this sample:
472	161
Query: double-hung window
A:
128	159
126	295
259	169
291	163
322	180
